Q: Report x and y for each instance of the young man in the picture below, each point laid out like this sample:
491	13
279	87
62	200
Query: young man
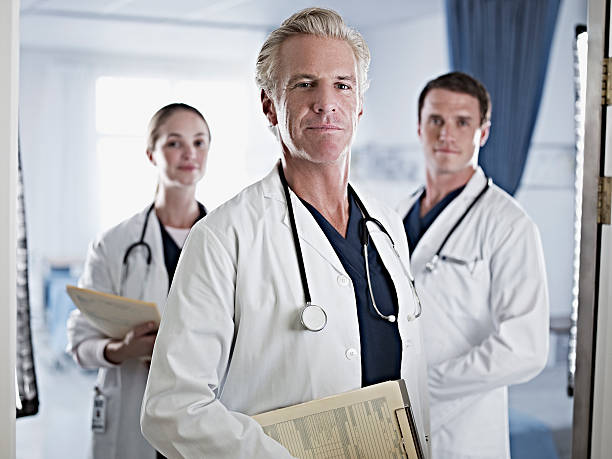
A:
479	269
255	321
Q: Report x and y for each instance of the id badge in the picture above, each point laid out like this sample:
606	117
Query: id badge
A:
98	418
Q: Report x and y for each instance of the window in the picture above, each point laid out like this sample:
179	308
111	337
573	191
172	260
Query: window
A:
124	106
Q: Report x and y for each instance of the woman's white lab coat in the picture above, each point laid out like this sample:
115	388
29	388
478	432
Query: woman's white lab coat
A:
230	344
485	322
122	385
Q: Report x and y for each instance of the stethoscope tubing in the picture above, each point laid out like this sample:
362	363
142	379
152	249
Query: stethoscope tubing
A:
430	266
364	235
140	243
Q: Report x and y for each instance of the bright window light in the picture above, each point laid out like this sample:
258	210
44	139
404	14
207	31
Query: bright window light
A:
124	107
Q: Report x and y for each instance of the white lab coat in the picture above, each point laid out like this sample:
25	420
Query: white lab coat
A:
485	323
122	385
230	344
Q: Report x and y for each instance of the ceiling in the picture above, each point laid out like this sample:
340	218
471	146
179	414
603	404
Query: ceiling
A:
181	29
247	14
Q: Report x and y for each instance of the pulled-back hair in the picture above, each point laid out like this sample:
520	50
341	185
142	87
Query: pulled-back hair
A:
463	83
311	21
162	115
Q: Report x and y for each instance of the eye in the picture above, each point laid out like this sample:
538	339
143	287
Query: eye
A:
343	86
173	144
462	122
436	121
304	84
200	143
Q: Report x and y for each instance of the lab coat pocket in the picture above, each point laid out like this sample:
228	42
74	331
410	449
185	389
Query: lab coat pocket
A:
464	265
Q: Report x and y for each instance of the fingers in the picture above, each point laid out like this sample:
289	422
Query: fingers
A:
143	329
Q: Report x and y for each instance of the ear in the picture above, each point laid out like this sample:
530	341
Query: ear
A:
360	110
267	105
484	133
419	129
150	156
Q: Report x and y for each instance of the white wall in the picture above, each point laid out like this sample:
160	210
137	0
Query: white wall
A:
9	84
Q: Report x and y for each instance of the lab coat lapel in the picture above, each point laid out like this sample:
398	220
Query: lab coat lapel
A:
308	229
433	237
384	247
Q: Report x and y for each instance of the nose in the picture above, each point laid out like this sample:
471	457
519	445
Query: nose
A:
446	133
189	151
325	100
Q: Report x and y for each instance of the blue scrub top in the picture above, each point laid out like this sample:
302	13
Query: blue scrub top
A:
416	226
381	345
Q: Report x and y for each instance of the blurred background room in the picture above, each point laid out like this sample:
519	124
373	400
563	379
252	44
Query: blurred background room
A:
92	74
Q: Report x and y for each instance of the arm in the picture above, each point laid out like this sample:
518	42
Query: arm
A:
517	348
89	347
181	413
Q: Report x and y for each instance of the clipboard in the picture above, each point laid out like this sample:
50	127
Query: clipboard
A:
113	315
375	422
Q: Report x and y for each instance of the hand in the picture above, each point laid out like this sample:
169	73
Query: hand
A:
138	342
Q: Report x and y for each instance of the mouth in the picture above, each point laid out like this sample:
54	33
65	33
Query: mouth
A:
446	151
189	167
325	127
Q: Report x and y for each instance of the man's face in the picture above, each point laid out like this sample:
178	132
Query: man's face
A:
317	104
450	131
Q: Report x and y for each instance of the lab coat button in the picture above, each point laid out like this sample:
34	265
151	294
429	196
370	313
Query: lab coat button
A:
343	281
351	353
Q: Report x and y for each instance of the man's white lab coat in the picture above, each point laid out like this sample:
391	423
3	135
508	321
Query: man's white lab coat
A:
230	344
121	385
485	321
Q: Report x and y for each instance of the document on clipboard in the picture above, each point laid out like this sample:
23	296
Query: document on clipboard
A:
113	315
375	422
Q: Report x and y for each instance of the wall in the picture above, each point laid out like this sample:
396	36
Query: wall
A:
9	84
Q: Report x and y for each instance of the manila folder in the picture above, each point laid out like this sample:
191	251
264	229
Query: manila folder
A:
113	315
372	422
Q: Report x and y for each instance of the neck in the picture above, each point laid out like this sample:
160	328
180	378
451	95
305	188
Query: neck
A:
438	186
324	186
176	207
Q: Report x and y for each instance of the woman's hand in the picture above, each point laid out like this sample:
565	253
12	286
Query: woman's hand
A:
138	342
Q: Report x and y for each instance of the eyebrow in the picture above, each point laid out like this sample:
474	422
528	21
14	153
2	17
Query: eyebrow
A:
308	76
176	134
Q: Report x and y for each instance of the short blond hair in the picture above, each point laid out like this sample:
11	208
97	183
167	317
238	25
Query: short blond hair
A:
311	21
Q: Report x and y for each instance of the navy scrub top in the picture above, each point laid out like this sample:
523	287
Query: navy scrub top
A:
171	250
416	226
381	345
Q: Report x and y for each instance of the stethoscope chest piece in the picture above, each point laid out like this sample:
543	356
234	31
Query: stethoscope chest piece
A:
313	317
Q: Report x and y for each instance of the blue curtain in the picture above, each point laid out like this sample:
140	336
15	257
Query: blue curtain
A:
505	44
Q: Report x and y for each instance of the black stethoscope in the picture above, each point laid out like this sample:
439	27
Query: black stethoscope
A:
313	317
140	243
433	263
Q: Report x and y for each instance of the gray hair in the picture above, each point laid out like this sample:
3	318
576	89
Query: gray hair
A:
312	21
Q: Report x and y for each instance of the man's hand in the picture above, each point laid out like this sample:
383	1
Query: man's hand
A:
138	342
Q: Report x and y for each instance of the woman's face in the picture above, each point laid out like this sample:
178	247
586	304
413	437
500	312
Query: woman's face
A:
181	149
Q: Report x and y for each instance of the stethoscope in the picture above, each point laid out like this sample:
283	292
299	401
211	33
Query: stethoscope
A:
313	317
140	243
433	263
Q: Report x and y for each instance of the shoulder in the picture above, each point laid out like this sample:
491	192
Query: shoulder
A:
124	233
503	208
247	205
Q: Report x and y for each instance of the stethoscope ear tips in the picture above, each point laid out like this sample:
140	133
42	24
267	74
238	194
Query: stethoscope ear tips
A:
391	318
